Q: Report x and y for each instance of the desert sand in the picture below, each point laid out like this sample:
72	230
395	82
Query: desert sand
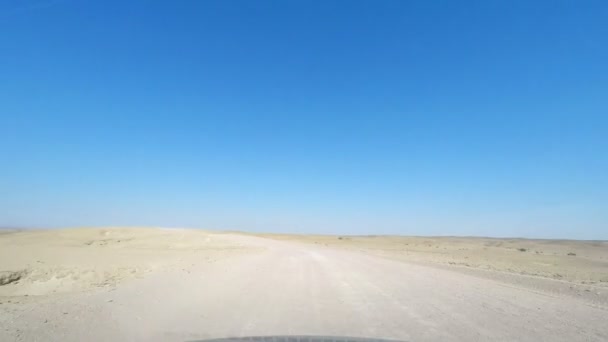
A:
152	284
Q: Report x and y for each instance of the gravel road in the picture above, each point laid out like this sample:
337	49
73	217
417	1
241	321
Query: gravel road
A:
288	288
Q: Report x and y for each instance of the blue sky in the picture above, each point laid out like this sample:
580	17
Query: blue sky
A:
396	117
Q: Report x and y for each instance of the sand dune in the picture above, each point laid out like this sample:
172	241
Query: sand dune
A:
44	262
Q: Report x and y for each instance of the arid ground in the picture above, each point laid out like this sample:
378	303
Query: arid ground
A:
152	284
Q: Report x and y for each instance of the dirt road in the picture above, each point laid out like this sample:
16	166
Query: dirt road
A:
288	288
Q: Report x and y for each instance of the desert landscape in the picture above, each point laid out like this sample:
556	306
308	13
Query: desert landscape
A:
231	171
154	284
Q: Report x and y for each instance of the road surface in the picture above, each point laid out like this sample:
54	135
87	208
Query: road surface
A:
287	288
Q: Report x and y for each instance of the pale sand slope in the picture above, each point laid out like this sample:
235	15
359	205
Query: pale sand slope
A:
178	285
55	261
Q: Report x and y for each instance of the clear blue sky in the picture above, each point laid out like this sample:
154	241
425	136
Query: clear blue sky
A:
401	117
